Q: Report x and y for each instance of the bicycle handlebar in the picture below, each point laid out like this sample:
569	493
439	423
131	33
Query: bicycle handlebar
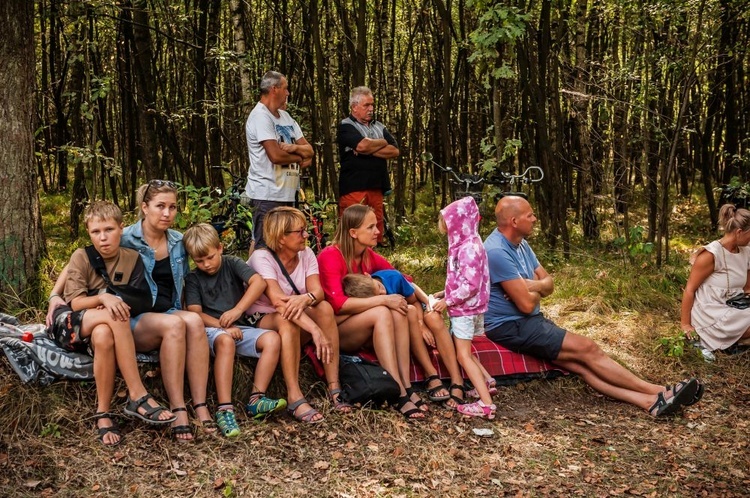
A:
532	174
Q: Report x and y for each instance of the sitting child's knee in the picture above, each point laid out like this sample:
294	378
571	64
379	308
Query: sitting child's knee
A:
224	343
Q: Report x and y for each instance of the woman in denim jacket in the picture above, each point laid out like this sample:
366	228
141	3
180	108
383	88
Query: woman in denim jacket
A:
177	334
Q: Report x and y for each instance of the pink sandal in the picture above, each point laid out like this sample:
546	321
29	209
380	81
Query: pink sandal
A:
477	409
491	387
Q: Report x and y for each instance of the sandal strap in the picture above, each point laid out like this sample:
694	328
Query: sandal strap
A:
178	409
148	410
225	404
402	401
199	405
293	406
100	415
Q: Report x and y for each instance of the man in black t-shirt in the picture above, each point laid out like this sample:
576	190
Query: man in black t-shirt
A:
365	145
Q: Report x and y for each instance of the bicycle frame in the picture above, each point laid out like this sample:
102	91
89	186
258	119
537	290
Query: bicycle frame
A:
316	237
235	216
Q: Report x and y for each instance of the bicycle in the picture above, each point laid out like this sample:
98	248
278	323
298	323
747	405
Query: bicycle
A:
469	184
234	215
317	238
387	230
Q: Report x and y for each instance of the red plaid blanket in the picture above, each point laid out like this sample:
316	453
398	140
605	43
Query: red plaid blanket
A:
506	366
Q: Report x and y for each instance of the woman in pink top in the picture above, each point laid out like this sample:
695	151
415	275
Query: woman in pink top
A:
379	321
293	305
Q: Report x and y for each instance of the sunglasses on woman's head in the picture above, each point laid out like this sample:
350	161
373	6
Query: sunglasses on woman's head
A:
162	183
159	184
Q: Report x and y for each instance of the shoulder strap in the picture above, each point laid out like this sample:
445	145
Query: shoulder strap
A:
97	263
283	270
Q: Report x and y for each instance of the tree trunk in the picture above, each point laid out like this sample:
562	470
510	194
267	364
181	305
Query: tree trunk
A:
21	236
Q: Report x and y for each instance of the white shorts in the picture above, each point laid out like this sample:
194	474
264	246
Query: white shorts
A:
244	347
466	327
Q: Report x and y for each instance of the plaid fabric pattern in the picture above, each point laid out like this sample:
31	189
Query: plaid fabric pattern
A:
501	363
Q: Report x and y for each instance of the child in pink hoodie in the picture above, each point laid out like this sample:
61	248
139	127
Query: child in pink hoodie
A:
467	292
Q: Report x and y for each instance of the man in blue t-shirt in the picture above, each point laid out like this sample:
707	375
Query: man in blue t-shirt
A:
513	320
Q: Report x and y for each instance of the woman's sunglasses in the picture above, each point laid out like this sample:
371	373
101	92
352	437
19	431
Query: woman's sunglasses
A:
158	184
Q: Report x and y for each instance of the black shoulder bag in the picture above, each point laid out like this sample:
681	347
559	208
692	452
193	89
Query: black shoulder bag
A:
139	300
365	382
740	301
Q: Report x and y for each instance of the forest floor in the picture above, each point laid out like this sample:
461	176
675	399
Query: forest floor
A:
550	438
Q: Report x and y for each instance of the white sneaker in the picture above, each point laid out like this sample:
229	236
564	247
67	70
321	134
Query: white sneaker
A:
708	356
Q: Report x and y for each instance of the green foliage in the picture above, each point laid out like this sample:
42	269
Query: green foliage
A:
499	25
634	245
51	430
673	346
736	190
200	206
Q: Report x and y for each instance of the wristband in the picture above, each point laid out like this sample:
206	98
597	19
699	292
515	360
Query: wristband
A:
53	295
312	299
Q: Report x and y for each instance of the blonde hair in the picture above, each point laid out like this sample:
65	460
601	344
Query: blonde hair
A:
199	239
148	191
353	217
732	218
358	285
278	221
104	210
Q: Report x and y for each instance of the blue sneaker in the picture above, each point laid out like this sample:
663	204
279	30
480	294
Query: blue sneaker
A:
227	423
261	407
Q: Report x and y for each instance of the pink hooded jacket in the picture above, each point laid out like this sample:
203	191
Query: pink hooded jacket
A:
467	283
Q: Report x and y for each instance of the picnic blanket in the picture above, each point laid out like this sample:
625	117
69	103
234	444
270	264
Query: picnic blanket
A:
40	360
505	366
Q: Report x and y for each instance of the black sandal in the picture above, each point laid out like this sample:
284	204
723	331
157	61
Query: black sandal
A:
454	398
179	430
662	406
696	397
418	403
408	414
103	431
151	413
431	392
208	425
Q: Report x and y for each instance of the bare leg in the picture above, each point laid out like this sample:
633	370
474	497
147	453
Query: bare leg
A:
418	346
323	316
471	366
269	347
103	345
224	348
445	346
196	361
167	334
115	335
583	356
376	326
290	357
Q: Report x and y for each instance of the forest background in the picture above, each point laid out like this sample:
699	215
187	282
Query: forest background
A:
617	101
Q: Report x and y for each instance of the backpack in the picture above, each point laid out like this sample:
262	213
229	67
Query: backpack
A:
365	382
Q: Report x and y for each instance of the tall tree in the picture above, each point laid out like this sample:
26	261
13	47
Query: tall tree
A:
21	238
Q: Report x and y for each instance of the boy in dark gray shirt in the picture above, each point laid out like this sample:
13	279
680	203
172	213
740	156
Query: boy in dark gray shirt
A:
220	289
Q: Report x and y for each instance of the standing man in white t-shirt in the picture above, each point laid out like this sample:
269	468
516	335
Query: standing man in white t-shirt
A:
277	151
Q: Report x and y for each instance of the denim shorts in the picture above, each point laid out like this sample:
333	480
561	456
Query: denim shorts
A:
135	319
466	327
